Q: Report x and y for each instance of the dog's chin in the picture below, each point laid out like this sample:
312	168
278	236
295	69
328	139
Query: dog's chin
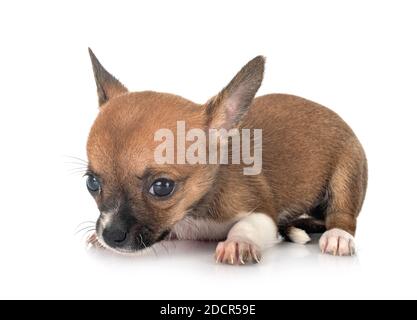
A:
135	248
130	249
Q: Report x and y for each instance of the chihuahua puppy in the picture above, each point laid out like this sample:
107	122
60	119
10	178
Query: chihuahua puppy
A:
313	176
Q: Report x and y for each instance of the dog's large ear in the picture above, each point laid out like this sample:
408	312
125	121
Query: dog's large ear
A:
227	109
107	85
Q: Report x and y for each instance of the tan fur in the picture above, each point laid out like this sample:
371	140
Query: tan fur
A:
308	150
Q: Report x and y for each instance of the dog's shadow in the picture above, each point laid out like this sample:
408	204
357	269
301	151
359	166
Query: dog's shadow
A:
282	255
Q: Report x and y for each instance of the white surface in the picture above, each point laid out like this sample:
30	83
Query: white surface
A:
359	58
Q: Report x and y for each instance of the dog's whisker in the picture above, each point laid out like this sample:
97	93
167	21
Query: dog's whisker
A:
85	228
76	163
85	222
80	165
80	171
77	169
87	231
146	247
76	158
141	241
87	234
79	174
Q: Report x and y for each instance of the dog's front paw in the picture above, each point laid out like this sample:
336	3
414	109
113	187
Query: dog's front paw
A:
337	242
237	252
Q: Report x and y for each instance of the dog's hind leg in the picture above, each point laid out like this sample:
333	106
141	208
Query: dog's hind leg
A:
347	189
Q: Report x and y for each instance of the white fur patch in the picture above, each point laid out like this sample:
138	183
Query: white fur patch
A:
247	239
257	228
106	218
298	235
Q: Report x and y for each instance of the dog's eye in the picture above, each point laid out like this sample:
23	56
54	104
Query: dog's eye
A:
162	187
93	185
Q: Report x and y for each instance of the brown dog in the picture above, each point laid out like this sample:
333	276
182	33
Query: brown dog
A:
313	177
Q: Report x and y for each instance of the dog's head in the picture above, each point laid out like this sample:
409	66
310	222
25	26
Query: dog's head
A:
140	199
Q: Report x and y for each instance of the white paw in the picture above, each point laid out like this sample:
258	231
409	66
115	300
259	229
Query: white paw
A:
237	252
337	242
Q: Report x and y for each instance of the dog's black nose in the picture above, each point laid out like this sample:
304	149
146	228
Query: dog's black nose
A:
114	237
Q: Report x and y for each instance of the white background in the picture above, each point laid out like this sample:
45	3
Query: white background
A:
357	57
